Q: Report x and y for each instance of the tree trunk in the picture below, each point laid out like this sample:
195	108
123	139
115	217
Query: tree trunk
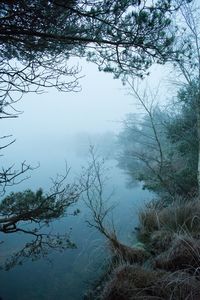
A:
198	134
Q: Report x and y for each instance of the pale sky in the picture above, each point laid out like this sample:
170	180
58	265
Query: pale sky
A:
100	106
50	120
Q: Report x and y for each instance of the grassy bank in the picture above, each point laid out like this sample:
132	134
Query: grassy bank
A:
164	264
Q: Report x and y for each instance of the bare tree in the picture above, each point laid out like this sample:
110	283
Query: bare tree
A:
146	140
149	107
20	77
146	151
95	198
100	207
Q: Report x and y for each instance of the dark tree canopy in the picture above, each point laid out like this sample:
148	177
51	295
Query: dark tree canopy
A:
29	28
38	37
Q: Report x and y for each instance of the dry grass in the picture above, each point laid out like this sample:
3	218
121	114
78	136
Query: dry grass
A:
160	241
167	265
124	253
182	216
184	253
130	282
178	286
164	223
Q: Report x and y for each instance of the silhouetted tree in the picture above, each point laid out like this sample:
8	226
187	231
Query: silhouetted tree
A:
38	37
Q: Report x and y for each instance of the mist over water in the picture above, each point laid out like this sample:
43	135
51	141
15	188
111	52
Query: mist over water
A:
69	274
54	129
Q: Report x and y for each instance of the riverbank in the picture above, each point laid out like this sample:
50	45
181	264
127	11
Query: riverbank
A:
164	264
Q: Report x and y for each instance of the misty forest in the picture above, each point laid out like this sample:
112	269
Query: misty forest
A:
100	150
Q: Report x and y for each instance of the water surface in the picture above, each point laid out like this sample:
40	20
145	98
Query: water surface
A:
67	275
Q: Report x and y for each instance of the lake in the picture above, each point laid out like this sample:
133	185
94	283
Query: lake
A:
68	274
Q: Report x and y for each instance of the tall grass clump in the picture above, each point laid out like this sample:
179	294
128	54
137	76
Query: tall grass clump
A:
158	226
171	236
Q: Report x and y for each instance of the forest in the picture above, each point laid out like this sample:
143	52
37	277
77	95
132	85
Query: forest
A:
157	147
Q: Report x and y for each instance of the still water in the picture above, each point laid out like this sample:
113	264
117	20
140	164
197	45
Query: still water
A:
67	275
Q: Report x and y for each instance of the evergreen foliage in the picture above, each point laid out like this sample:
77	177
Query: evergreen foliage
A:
29	212
38	37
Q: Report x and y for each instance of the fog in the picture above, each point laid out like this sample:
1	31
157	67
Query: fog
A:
51	124
54	128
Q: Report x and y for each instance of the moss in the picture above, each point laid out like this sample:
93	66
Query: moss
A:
139	245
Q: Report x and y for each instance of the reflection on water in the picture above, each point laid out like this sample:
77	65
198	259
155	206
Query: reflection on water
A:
67	275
